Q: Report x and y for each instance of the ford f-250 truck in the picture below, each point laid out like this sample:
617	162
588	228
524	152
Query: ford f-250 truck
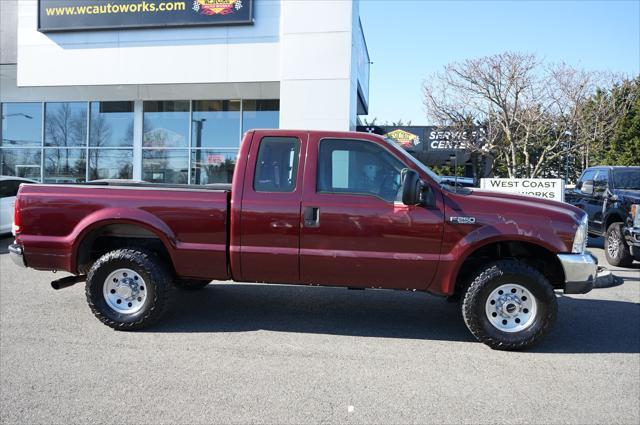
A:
312	208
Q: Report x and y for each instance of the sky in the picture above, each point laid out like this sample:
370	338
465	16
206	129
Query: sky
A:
410	40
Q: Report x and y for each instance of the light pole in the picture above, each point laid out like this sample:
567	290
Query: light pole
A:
566	168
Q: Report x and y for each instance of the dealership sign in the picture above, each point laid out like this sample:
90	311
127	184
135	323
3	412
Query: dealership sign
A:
540	188
446	138
79	15
404	138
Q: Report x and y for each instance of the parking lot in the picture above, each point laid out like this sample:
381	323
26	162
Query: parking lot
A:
239	353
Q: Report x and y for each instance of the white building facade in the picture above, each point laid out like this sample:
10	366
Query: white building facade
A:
168	103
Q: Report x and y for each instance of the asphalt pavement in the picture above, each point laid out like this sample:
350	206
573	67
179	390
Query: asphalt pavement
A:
248	353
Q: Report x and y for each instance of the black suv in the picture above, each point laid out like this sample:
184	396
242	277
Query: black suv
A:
611	198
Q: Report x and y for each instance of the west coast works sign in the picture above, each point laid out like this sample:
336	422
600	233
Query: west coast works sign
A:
79	15
540	188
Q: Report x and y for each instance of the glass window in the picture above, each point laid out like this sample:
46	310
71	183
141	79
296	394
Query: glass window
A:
110	164
260	114
65	124
358	167
111	124
166	124
627	178
602	178
212	166
277	165
215	123
21	124
589	175
21	163
65	165
165	165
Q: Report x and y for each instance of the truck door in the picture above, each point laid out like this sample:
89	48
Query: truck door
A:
272	192
587	201
354	230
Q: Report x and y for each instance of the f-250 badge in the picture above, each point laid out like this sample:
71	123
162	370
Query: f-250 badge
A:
463	220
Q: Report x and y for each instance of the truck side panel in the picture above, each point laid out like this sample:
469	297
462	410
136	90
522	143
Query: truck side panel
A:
192	224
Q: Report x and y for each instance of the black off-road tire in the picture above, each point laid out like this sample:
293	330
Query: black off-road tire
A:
158	286
190	284
618	255
490	277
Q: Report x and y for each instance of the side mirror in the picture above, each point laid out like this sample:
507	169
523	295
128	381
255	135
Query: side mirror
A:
411	187
587	187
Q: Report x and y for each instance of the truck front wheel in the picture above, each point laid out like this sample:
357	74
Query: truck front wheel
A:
128	289
615	247
509	305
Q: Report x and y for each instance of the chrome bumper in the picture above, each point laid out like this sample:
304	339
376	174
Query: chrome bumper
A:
632	236
580	272
17	254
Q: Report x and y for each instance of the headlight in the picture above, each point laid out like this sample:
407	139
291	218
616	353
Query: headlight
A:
635	215
580	240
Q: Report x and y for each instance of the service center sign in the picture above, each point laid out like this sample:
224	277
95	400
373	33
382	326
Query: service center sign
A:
540	188
79	15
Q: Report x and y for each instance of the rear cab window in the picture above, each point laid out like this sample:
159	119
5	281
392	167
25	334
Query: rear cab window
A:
277	165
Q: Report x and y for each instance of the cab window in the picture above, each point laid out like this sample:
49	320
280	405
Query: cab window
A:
358	167
588	175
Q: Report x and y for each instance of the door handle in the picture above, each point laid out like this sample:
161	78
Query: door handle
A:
311	217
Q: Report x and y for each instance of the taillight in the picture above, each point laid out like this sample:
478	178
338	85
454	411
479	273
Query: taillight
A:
15	226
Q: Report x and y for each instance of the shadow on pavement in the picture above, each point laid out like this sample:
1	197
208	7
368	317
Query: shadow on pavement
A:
583	326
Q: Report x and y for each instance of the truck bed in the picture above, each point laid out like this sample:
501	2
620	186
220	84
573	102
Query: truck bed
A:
190	221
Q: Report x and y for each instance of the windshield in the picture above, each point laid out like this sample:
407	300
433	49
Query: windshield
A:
419	164
627	178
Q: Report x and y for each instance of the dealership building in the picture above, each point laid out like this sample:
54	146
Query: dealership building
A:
162	91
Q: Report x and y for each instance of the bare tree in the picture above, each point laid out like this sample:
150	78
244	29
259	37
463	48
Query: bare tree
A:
533	115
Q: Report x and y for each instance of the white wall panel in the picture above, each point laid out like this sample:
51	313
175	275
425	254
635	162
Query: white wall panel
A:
316	55
150	56
326	16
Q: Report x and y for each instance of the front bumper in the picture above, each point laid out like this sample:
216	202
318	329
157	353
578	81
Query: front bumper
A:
17	254
632	236
580	272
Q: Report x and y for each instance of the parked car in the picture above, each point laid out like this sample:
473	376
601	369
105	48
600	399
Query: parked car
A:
611	198
8	189
459	181
312	208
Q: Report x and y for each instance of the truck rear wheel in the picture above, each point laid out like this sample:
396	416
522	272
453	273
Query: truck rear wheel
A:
128	289
615	247
509	305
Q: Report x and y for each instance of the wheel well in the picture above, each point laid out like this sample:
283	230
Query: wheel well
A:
545	261
612	218
116	236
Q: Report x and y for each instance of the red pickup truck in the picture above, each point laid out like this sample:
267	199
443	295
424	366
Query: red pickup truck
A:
312	208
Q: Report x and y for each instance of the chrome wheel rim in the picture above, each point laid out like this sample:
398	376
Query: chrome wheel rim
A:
511	308
125	291
612	245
